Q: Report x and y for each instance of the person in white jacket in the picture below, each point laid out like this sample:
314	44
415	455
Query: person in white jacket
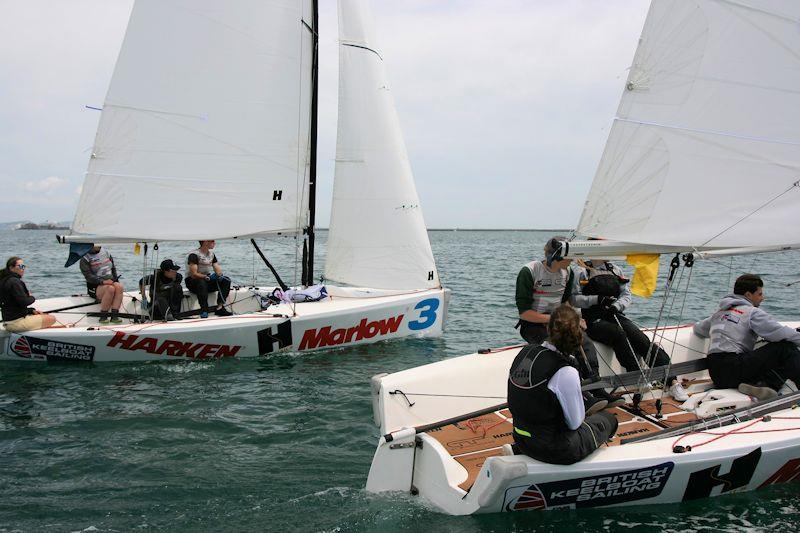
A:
733	360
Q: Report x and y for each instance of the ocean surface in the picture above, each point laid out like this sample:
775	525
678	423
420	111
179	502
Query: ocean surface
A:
284	443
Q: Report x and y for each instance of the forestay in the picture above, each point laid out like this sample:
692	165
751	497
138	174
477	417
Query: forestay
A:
705	149
205	129
377	234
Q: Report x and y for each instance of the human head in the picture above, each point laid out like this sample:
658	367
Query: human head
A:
554	253
751	287
169	268
95	249
208	244
564	329
14	265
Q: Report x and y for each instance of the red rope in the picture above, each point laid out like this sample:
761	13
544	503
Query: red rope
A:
738	431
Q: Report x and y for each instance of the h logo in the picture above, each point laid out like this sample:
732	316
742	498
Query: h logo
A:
276	195
267	341
430	275
703	481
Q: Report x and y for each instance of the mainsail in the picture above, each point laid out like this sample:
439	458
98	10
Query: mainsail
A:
705	150
205	130
377	234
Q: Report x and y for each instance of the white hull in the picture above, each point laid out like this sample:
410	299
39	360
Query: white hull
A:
461	469
347	317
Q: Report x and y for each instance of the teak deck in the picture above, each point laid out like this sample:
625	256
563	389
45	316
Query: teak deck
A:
472	441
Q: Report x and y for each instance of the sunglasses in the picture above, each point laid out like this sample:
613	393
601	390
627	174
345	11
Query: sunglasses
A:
21	267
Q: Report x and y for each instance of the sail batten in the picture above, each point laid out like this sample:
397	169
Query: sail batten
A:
705	140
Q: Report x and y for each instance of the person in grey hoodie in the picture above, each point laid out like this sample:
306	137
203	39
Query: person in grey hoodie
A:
733	360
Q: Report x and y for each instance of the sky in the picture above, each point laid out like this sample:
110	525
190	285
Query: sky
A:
505	105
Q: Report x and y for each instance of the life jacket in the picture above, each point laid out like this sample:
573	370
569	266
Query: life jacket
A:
604	282
532	404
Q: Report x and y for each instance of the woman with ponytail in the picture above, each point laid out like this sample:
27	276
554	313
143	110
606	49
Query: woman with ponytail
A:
15	300
545	398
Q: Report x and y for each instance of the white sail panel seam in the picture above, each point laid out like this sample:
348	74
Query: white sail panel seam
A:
709	132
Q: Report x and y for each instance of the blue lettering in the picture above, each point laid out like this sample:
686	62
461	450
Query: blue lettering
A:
427	314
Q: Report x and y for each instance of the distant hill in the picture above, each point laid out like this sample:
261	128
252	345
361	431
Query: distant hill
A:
27	224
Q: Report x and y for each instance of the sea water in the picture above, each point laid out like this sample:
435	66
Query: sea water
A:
284	443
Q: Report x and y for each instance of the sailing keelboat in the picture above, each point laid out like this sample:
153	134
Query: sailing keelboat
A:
208	131
703	159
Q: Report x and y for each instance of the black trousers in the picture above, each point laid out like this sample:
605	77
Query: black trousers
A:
607	331
565	447
168	300
202	287
772	364
534	333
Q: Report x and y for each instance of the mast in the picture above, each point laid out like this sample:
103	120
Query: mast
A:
308	246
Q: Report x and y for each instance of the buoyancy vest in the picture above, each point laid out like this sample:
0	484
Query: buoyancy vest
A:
531	403
550	289
603	281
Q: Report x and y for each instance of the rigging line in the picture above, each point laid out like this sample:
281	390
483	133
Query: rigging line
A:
707	132
670	277
675	338
792	186
450	395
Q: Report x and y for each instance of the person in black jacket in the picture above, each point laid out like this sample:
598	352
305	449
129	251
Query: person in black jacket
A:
551	423
164	290
15	300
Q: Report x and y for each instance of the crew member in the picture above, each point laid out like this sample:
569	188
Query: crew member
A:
545	400
102	282
603	293
204	275
164	290
733	360
15	300
541	287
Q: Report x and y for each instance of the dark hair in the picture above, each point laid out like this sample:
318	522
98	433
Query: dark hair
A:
564	329
11	263
553	244
747	283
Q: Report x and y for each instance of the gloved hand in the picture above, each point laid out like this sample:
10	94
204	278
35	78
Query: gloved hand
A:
145	304
212	277
607	302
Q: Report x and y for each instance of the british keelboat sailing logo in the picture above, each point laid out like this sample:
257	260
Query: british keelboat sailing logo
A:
593	491
34	348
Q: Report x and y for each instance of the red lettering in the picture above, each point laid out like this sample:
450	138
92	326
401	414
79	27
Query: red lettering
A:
788	472
227	351
372	329
191	349
124	341
337	337
148	344
390	325
361	329
350	333
312	338
208	349
169	346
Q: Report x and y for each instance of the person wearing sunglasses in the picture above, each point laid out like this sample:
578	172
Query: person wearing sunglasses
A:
15	300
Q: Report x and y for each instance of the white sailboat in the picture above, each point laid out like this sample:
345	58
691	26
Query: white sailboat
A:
208	131
703	159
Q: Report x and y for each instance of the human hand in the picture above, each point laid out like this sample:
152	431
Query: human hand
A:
37	312
606	302
212	277
583	324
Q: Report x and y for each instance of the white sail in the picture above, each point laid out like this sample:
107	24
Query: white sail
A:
377	234
205	129
705	150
